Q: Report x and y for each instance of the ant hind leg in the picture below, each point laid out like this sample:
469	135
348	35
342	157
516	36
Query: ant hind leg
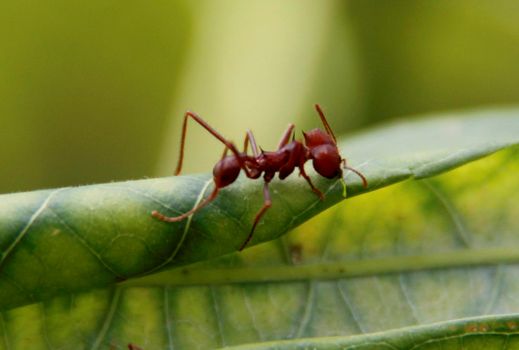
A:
210	129
206	201
266	205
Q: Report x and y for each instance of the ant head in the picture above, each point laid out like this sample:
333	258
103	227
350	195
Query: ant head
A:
326	160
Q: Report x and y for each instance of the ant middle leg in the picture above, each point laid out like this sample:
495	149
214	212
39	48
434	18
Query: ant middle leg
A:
266	205
317	191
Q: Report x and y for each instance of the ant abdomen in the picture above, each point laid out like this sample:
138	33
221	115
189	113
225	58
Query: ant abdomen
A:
226	171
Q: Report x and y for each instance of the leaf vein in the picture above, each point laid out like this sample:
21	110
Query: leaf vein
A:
307	313
463	235
347	302
216	310
84	243
496	288
152	198
114	302
168	318
184	233
250	310
407	298
26	228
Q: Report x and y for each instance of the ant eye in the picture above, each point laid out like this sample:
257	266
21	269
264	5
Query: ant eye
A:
326	160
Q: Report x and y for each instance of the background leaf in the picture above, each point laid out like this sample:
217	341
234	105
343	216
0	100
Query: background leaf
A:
85	88
476	333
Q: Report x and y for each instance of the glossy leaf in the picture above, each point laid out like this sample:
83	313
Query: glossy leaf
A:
72	239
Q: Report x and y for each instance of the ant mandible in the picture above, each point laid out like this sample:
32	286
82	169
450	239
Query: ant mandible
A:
319	146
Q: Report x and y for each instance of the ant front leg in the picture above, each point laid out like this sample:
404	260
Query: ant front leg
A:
266	205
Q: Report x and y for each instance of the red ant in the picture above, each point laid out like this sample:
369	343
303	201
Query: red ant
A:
320	147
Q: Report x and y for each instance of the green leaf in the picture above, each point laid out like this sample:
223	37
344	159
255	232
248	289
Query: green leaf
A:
420	252
73	239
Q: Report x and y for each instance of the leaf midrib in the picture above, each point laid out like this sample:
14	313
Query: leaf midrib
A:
199	275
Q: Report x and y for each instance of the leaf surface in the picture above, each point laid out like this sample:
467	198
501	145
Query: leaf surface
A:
72	239
420	265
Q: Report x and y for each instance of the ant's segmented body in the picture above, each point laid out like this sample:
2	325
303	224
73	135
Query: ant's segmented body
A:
319	146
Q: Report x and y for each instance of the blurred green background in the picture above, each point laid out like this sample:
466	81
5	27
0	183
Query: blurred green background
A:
95	91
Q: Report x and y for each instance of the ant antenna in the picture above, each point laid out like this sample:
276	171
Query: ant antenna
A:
325	122
364	181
